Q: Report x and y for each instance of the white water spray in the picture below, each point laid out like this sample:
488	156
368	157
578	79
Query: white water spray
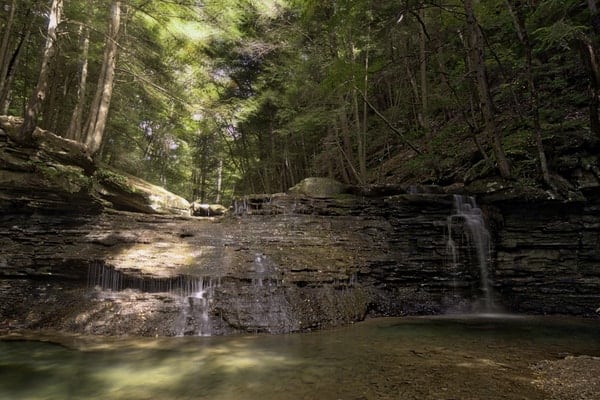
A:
196	306
467	213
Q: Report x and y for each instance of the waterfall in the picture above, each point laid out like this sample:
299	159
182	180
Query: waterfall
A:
194	292
195	308
469	215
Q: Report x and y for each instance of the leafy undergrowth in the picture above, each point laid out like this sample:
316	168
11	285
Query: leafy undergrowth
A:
451	156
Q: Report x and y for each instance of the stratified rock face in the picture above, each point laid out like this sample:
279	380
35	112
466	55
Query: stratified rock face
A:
280	263
288	263
58	173
332	264
548	256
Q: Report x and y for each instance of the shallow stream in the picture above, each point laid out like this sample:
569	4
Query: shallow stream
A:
408	358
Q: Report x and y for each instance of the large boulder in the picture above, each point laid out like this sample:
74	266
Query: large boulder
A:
199	209
129	193
319	188
57	174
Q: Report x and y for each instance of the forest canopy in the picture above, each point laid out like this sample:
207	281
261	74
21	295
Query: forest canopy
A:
218	98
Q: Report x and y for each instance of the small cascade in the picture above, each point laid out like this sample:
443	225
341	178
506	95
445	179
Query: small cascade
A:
196	294
468	215
195	318
261	270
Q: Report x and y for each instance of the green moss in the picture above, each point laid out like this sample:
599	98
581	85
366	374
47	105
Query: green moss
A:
70	178
113	179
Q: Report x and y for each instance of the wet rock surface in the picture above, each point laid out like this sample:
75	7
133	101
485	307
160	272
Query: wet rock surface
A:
547	256
285	264
119	272
275	263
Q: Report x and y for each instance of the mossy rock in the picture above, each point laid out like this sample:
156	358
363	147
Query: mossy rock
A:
69	178
319	188
129	193
199	209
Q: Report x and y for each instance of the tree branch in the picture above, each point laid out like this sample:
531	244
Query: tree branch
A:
388	123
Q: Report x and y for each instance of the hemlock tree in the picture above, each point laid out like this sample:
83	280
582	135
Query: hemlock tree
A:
476	47
39	94
99	109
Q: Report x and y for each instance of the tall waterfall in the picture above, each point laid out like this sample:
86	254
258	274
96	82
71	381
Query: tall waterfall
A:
469	215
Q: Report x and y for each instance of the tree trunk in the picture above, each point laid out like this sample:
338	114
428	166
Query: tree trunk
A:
101	104
362	139
521	29
39	94
12	68
423	74
346	147
416	94
219	181
473	130
4	46
75	126
487	105
590	58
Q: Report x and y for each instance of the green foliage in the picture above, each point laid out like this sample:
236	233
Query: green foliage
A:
560	35
258	95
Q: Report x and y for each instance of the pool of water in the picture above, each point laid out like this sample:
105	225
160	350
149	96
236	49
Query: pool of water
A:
485	357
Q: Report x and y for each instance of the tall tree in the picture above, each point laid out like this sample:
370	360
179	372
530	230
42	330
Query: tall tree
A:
100	105
10	63
75	125
516	12
476	50
5	43
590	54
39	94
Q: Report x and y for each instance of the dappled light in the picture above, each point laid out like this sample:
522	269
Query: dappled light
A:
412	358
225	199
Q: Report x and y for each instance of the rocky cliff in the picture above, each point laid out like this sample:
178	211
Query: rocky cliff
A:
286	264
289	262
548	255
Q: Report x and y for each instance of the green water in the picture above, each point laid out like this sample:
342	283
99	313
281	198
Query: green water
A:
412	358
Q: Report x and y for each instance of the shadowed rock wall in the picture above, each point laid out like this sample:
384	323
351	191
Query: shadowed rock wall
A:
548	255
287	264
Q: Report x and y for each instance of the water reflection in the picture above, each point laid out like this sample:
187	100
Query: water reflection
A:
416	358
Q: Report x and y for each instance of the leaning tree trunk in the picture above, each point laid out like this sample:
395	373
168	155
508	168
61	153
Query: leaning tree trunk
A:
590	57
487	105
101	103
39	94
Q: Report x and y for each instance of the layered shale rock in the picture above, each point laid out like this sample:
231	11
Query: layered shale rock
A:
58	174
279	263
